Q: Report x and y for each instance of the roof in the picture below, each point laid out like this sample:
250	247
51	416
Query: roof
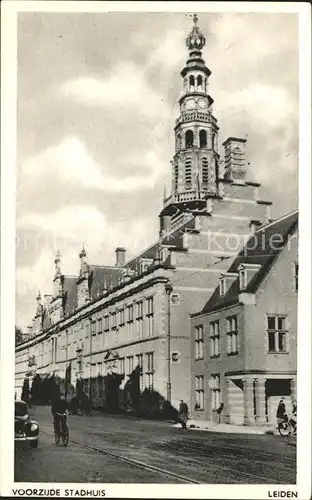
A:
263	248
102	276
108	277
70	294
173	239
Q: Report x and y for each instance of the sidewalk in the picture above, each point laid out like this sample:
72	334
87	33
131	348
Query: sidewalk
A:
229	428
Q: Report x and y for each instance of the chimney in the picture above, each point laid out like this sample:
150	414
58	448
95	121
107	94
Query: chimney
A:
253	226
120	256
234	158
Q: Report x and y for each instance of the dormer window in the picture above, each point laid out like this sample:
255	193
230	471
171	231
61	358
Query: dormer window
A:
242	279
222	286
145	264
246	273
226	281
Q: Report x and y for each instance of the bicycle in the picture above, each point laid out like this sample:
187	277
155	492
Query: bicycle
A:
64	432
286	428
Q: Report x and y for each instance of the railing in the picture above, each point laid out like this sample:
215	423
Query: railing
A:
194	115
180	220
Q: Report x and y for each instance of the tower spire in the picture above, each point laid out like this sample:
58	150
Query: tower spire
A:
57	262
196	137
195	39
83	260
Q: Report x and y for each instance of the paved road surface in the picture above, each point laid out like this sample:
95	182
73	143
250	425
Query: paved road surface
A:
199	456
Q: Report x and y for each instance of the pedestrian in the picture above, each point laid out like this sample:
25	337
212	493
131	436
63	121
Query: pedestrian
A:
219	411
183	413
281	415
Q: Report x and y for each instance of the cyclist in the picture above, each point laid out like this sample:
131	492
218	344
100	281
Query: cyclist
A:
59	406
293	417
281	415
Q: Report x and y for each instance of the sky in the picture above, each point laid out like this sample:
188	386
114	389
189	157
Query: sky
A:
97	101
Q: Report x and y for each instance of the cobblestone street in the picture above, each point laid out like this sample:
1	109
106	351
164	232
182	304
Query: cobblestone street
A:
156	452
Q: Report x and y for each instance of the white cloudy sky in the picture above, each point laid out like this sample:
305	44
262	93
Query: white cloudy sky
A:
97	100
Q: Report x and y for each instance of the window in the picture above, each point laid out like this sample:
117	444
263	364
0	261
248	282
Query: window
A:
129	314
231	331
55	349
93	327
178	141
276	330
139	317
150	305
188	171
150	371
139	310
114	321
199	342
192	82
130	322
202	139
121	366
129	365
213	141
222	286
215	391
199	83
150	316
175	357
100	325
214	339
296	272
121	317
176	175
140	365
189	139
144	266
87	329
205	171
242	279
175	299
106	323
199	392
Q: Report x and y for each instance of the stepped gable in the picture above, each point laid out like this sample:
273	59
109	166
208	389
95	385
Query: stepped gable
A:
258	250
173	239
69	294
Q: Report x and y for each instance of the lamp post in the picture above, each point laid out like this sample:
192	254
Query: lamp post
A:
168	288
66	360
90	359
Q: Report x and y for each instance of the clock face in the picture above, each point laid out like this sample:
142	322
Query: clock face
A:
202	104
190	104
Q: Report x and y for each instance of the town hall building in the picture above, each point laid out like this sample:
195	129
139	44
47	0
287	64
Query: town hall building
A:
134	317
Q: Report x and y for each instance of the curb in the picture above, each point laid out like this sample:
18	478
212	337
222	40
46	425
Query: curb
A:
222	430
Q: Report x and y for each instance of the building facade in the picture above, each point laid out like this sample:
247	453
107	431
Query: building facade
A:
134	317
245	338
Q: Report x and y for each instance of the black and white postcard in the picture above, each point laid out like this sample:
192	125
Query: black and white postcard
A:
156	250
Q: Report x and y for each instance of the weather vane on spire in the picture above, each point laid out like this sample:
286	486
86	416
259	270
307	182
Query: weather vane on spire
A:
195	40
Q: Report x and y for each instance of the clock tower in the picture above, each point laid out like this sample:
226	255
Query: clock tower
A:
195	162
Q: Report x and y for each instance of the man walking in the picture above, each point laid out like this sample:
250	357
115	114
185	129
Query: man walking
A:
183	414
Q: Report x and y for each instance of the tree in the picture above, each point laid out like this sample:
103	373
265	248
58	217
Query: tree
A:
36	389
18	335
25	390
